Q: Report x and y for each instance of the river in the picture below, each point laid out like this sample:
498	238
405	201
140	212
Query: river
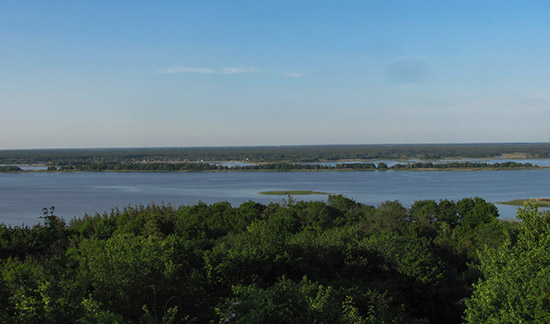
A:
23	195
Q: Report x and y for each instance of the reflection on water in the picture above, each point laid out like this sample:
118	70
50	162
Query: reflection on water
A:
231	164
22	196
27	167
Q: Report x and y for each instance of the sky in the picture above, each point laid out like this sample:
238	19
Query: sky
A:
79	74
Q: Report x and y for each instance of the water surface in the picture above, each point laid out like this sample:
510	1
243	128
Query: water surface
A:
23	195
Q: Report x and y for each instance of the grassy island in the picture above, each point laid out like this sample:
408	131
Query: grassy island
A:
539	202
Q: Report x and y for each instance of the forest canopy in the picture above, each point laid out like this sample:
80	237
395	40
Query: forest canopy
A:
291	262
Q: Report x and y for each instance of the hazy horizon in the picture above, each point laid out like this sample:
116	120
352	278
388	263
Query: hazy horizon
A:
274	146
246	73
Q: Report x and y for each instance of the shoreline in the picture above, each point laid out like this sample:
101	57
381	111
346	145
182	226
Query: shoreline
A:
544	168
539	202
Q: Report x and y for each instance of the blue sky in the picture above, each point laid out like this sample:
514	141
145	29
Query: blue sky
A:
213	73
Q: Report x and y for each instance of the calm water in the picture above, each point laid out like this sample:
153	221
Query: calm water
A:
22	196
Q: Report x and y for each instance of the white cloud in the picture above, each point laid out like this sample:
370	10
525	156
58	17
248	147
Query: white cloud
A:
293	74
225	70
235	70
186	69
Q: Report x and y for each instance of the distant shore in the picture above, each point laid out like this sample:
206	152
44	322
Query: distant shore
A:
277	167
293	192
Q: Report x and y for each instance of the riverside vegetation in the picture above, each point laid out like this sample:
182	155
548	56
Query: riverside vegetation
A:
289	262
279	167
276	158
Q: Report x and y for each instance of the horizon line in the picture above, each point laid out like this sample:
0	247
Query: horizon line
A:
266	146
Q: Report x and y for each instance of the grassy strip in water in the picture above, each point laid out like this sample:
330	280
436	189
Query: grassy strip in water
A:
293	192
540	202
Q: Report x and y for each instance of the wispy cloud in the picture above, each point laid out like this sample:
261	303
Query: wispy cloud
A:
225	70
293	74
236	70
408	71
186	69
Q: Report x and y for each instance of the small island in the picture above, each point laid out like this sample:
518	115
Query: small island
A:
539	202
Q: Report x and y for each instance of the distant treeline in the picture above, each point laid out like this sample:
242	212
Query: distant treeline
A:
173	167
10	168
462	165
311	153
210	167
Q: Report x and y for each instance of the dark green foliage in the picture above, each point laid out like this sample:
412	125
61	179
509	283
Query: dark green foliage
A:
461	165
390	216
279	166
473	212
303	302
10	168
448	212
201	166
127	272
293	262
343	204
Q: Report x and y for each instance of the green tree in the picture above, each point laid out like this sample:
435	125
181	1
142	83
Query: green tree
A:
390	216
127	273
448	212
303	302
516	284
425	213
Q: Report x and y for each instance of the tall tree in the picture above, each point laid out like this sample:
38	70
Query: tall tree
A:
516	288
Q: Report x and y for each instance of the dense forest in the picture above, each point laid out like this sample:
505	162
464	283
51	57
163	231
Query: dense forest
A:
285	166
311	153
288	262
280	167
